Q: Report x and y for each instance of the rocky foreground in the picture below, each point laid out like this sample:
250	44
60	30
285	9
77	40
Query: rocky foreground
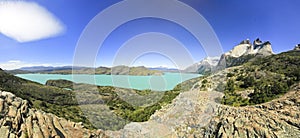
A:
192	107
17	119
278	118
195	114
191	114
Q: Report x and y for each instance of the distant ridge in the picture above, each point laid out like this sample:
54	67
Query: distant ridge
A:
117	70
208	64
164	69
49	68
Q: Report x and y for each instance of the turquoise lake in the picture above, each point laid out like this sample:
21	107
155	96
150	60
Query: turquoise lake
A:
160	83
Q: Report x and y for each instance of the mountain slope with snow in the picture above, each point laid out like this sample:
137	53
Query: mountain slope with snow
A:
206	65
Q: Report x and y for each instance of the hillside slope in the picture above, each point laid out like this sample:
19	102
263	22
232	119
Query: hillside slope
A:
50	99
77	102
199	113
263	79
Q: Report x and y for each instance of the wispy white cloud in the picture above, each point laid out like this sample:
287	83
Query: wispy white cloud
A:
16	64
14	61
27	21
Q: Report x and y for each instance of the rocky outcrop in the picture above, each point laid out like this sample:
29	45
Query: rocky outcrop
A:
18	119
278	118
208	64
264	49
244	52
297	47
191	107
246	48
241	49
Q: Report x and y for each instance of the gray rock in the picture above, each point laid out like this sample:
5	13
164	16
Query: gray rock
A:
12	111
4	131
243	52
297	47
1	105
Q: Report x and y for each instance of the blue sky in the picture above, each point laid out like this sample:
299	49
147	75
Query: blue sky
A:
232	20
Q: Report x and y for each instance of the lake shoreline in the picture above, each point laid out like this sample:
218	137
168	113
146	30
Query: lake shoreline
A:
164	82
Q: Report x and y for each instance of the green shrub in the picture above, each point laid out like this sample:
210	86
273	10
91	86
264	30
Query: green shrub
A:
280	72
230	74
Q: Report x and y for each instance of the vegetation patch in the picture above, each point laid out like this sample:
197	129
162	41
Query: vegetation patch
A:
264	79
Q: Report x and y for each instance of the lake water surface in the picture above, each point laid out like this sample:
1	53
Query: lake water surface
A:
161	83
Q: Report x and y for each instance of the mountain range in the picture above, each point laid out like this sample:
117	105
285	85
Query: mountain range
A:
49	68
240	54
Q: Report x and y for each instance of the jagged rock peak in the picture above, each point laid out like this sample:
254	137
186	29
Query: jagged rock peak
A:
243	52
297	47
246	48
264	49
247	41
257	42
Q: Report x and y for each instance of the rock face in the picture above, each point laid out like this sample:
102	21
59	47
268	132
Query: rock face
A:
245	51
17	119
208	64
246	48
